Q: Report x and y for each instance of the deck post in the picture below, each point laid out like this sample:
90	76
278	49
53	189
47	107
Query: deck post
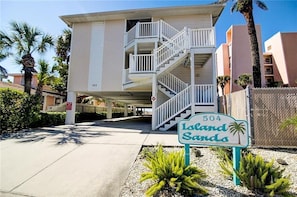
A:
154	101
109	109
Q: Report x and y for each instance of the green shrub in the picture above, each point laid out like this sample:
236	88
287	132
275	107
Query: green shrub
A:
169	170
17	110
289	122
49	119
260	176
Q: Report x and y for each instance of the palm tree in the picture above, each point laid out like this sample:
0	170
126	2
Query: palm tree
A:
222	81
63	56
237	128
245	7
44	77
26	40
244	80
3	73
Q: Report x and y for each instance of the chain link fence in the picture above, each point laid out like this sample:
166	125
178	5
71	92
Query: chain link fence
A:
265	109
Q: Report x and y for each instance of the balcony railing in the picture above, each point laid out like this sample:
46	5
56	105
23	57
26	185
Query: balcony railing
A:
141	63
202	37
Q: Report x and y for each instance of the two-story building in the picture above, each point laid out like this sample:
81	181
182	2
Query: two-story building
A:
162	58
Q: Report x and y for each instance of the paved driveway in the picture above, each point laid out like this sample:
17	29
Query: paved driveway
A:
89	159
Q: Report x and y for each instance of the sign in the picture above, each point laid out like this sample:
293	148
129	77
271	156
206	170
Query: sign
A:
153	98
213	129
69	106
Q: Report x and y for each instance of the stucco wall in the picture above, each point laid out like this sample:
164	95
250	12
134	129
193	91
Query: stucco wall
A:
113	61
191	21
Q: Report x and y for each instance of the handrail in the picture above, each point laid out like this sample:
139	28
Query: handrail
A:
173	106
204	94
173	83
167	31
203	37
170	48
141	63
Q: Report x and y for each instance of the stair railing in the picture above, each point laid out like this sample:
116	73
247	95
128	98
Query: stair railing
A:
167	31
170	48
173	106
172	83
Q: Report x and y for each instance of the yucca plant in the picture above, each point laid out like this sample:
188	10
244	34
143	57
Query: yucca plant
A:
169	170
260	176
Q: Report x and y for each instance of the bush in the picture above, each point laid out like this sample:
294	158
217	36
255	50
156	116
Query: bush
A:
169	170
49	119
260	176
17	110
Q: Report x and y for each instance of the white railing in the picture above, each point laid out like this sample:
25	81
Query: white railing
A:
130	35
202	37
148	29
170	48
172	83
167	31
141	63
173	106
204	94
142	30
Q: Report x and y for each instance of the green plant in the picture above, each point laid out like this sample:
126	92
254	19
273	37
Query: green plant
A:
169	170
17	110
289	122
260	176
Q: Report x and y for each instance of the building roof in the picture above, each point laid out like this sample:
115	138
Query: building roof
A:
214	9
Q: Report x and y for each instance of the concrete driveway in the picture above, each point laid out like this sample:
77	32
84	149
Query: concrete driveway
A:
89	159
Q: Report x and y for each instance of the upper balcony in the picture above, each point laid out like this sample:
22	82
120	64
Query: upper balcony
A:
161	31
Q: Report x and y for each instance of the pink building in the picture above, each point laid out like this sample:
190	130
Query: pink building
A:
234	56
280	60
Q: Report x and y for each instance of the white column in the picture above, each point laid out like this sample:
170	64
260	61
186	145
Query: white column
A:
125	110
109	109
44	102
134	110
154	101
192	84
214	81
70	108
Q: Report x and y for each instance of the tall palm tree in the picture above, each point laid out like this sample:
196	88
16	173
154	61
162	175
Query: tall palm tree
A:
244	80
3	73
63	56
237	128
245	7
26	40
222	81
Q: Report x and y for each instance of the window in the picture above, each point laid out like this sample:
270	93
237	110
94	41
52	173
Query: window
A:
131	23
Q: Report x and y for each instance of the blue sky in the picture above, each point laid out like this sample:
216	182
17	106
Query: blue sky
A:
44	14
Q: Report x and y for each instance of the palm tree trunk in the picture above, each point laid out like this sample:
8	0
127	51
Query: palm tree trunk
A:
254	48
27	81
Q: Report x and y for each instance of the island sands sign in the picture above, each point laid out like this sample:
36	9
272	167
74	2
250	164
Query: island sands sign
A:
213	129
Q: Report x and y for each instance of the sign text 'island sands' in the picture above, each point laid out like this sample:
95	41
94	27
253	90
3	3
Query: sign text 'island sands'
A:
213	129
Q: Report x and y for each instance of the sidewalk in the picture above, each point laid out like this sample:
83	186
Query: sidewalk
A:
89	159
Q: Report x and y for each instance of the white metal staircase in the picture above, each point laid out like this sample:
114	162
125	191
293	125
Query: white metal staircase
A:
175	47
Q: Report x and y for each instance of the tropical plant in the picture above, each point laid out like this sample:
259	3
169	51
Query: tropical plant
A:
260	176
244	80
292	121
62	58
169	170
245	7
237	128
44	77
222	82
26	40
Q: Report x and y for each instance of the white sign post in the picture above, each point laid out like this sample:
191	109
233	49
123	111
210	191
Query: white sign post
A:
214	129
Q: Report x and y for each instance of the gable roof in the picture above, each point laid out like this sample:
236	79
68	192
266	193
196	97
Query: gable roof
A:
214	9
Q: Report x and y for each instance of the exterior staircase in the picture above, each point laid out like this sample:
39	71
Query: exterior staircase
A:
174	50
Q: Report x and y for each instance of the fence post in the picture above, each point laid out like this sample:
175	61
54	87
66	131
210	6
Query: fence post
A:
249	114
